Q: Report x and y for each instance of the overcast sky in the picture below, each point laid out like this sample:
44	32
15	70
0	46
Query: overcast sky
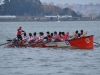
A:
71	1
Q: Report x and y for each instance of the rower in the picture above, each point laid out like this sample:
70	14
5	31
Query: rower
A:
51	35
76	34
30	38
82	34
25	38
19	32
41	36
63	36
59	34
67	36
34	36
56	37
48	37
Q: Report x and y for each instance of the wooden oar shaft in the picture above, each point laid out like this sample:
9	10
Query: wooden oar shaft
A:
3	44
9	40
97	43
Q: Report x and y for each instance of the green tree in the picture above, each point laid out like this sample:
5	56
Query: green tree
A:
22	7
5	8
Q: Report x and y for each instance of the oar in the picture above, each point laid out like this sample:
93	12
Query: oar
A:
3	44
97	43
9	40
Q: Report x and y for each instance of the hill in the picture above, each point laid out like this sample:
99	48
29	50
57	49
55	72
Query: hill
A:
32	8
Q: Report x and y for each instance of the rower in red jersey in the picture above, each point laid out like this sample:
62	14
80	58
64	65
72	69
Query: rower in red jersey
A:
63	36
48	36
56	37
19	32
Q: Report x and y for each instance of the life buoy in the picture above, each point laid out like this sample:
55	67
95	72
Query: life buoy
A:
87	40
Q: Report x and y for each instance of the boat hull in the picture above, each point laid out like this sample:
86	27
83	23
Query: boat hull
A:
83	43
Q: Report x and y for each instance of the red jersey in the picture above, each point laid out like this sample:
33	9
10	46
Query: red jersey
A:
63	37
48	38
19	31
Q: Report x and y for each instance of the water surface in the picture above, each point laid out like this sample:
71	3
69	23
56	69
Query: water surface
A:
49	61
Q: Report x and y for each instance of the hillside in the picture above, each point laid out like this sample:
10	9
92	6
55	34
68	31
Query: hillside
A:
32	8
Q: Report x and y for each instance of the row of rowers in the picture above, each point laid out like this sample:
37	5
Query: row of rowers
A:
57	37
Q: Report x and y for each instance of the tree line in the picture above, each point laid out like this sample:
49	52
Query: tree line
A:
32	8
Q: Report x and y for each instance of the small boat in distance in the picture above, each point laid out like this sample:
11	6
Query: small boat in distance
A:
81	43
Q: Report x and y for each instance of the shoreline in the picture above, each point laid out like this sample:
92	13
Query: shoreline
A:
43	19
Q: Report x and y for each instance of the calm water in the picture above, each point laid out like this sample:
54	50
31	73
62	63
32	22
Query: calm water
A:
44	61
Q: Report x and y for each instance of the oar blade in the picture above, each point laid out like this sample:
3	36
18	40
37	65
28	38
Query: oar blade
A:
9	40
3	44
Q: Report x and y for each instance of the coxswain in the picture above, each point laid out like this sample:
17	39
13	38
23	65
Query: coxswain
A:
19	33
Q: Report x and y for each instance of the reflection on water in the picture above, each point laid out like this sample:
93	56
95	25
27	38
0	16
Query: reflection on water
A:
49	61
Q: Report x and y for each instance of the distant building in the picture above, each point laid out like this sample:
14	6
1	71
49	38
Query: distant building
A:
56	16
8	16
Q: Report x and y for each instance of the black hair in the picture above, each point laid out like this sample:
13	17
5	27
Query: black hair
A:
81	32
41	33
63	33
51	34
30	34
24	34
60	33
34	33
55	32
76	32
48	32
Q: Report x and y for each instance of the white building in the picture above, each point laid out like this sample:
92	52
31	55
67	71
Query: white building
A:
8	16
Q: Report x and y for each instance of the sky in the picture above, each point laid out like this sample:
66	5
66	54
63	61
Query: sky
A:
72	1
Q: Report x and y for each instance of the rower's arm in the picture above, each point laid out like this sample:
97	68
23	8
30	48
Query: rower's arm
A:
23	31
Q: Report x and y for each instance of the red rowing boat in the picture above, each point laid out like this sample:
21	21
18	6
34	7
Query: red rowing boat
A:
83	43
